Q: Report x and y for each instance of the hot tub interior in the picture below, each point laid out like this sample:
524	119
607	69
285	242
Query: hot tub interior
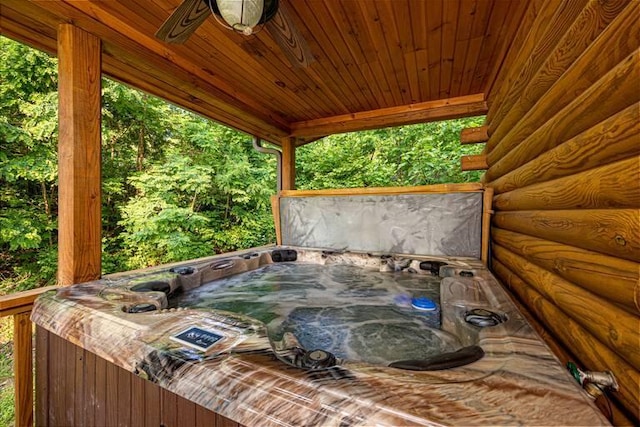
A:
382	310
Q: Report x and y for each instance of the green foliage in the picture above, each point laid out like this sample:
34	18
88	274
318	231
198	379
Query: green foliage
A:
176	186
28	165
421	154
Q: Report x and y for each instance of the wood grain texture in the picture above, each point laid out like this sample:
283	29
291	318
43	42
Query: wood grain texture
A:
524	17
23	369
543	45
612	232
592	34
18	26
614	92
614	327
126	388
42	380
21	300
184	21
467	106
589	351
538	15
614	139
474	163
289	164
616	185
436	188
79	206
286	34
474	135
612	278
487	212
79	391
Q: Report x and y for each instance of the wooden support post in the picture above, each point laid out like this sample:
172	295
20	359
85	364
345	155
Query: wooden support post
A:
23	369
79	73
487	202
275	209
289	164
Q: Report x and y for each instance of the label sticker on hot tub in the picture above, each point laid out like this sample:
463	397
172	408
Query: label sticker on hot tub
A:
198	338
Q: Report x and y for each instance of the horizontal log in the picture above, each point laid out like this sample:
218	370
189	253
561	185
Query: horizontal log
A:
613	326
612	93
609	277
474	163
557	348
436	188
588	50
591	353
443	109
609	231
474	135
612	140
616	185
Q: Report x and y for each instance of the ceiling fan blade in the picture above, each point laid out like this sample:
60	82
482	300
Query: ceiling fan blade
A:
287	36
183	21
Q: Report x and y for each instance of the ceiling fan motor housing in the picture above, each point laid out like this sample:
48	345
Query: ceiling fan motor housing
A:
268	11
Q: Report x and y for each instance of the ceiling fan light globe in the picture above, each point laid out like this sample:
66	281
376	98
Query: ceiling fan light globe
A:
241	15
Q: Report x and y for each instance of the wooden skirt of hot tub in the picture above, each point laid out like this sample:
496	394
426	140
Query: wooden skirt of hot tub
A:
74	387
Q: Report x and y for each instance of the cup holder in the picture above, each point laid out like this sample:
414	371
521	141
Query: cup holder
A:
483	318
182	271
153	286
222	265
144	307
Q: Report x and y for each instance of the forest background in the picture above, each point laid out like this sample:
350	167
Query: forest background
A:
175	186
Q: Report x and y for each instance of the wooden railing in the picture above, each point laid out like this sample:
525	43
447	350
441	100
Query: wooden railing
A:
19	306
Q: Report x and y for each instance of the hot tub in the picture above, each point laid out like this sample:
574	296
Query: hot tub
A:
375	308
296	336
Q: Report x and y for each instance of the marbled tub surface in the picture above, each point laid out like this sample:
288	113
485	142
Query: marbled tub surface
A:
353	305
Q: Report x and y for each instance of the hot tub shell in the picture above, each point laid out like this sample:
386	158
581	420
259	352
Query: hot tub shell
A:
518	381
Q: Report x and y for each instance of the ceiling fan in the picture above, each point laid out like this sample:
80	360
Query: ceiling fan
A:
240	16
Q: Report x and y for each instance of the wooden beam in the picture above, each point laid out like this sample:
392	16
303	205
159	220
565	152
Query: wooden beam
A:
430	111
474	135
436	188
289	164
591	353
79	161
21	300
612	278
477	162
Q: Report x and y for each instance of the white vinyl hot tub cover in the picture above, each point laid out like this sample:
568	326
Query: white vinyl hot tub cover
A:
447	224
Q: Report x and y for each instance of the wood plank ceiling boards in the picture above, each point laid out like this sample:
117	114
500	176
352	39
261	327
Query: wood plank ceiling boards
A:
364	58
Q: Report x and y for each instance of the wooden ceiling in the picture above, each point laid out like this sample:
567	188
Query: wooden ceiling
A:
374	63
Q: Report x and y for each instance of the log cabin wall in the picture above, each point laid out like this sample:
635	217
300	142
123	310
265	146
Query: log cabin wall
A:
563	156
